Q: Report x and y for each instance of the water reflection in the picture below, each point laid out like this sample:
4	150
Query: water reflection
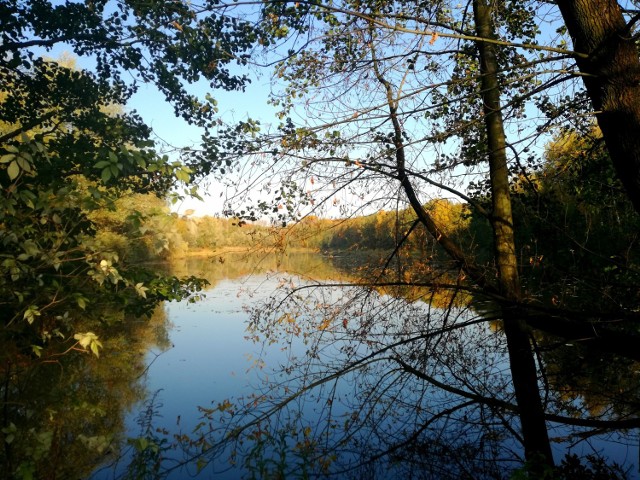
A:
397	381
64	414
397	388
392	381
230	266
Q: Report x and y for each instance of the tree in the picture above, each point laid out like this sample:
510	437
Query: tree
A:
69	150
607	56
522	361
381	102
139	228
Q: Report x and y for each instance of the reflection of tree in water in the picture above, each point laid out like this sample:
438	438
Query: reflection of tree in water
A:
378	387
64	414
235	265
407	386
586	379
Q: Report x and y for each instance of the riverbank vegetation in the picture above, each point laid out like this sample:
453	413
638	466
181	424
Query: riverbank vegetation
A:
493	144
80	179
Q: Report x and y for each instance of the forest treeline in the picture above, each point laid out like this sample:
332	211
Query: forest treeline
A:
571	207
166	235
143	228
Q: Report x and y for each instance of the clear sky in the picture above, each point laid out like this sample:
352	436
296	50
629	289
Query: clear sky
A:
233	106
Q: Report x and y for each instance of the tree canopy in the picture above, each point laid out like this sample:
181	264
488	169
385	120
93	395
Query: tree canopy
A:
71	157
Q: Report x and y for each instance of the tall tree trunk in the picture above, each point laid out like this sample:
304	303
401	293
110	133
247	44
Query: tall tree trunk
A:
612	79
522	362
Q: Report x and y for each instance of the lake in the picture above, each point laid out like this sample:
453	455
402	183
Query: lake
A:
390	380
311	338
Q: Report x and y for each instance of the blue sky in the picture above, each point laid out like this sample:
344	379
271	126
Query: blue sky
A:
233	106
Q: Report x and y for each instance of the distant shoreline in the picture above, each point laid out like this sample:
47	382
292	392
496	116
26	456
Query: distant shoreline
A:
210	252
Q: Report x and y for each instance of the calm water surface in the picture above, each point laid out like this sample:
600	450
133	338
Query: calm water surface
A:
210	359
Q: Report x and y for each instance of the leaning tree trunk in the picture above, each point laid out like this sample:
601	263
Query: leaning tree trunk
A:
522	362
608	58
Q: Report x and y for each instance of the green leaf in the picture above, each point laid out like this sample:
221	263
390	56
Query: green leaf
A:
89	340
23	164
84	339
14	170
182	176
106	175
102	164
140	443
81	301
31	313
9	432
95	193
7	158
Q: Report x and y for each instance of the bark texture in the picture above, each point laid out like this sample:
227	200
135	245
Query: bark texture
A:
611	71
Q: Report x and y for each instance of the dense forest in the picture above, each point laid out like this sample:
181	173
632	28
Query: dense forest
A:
485	149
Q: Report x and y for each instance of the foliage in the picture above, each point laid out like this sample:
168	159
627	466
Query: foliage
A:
212	233
572	467
54	263
138	228
166	44
577	229
78	171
